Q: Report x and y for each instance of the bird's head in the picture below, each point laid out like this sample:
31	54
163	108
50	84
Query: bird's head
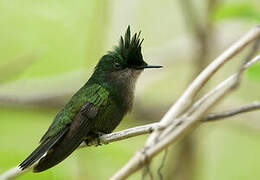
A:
125	62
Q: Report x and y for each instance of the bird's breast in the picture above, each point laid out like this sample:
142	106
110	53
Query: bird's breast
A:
108	117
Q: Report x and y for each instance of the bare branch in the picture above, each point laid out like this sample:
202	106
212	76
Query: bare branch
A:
182	117
140	130
149	128
173	128
242	109
187	98
124	134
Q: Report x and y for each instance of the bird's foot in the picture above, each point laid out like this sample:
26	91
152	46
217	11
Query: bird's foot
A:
92	137
87	142
98	135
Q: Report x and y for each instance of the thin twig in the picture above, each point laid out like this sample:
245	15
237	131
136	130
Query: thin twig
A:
186	99
140	130
124	134
242	109
178	127
184	123
162	164
149	128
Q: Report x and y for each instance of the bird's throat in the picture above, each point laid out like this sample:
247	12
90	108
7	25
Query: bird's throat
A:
123	84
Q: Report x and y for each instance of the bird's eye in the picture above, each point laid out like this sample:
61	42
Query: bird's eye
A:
117	65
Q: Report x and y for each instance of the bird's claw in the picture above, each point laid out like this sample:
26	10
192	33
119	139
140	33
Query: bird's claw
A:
86	142
99	134
94	136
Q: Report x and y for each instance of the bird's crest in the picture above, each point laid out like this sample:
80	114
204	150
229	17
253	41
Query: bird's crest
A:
130	48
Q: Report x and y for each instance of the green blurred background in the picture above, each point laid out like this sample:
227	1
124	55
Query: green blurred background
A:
49	48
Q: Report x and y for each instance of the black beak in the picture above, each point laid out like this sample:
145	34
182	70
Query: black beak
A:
148	66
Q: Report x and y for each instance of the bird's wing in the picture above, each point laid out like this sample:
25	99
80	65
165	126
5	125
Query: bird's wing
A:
94	94
66	140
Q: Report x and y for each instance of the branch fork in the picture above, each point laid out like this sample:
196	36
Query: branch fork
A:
183	116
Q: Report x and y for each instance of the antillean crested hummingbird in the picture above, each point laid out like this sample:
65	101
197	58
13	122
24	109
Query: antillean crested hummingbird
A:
96	108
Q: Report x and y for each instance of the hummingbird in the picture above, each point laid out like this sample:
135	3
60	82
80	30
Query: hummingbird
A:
96	108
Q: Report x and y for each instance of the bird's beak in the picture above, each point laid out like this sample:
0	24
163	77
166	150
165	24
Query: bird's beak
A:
148	66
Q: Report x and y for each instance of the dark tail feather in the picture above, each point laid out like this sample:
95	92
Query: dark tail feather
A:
41	150
62	149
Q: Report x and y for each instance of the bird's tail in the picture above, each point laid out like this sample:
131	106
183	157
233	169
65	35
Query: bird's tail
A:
63	148
41	150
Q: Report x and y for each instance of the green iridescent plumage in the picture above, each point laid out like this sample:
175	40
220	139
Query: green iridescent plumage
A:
94	94
98	107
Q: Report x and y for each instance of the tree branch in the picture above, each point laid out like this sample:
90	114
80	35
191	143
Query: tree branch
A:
186	99
181	117
242	109
172	127
140	130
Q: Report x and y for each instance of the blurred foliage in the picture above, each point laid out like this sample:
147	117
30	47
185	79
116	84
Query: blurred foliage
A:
240	10
41	41
62	31
254	72
230	150
237	10
12	69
